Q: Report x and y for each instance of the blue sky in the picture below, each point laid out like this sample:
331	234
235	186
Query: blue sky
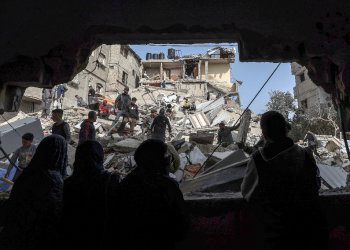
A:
253	75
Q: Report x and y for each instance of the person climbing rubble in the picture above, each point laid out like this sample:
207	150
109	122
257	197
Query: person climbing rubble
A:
121	103
103	110
159	125
24	155
224	134
282	181
87	129
132	112
311	140
46	97
60	127
147	122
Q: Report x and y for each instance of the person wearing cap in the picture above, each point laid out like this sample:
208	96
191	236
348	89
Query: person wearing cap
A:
121	104
132	112
224	134
103	109
282	181
24	154
159	125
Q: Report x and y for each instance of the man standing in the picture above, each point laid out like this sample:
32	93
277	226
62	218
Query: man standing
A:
87	128
132	111
282	180
146	125
24	155
225	135
46	99
60	127
121	103
91	95
159	124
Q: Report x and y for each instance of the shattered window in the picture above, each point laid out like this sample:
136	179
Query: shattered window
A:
125	78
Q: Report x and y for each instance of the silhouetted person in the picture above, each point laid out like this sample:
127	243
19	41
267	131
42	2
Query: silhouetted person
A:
282	179
87	128
150	210
159	125
85	199
34	208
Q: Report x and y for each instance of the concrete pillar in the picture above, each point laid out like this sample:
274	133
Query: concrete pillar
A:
199	70
161	72
206	70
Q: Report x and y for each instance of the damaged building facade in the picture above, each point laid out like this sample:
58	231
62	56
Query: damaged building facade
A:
110	67
307	93
196	75
124	68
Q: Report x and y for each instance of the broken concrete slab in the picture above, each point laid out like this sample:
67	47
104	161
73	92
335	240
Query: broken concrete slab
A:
236	156
202	138
223	179
108	161
126	146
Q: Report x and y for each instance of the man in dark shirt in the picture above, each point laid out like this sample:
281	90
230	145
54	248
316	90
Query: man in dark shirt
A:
60	127
87	128
225	135
158	126
121	103
282	182
132	112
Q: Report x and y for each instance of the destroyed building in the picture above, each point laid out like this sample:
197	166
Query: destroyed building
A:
196	75
51	43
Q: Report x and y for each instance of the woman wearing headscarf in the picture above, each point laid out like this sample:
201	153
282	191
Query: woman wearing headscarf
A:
85	194
150	210
34	208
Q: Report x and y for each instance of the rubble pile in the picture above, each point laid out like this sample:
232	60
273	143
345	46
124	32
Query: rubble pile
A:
192	142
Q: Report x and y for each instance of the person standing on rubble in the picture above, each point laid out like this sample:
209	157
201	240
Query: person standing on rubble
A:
282	182
24	155
60	127
121	104
91	96
87	129
224	134
148	211
159	125
132	112
47	100
311	142
146	125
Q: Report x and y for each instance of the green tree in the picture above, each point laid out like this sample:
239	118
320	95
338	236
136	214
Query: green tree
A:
282	102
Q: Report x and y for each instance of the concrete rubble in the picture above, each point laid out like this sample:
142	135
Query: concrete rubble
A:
192	142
